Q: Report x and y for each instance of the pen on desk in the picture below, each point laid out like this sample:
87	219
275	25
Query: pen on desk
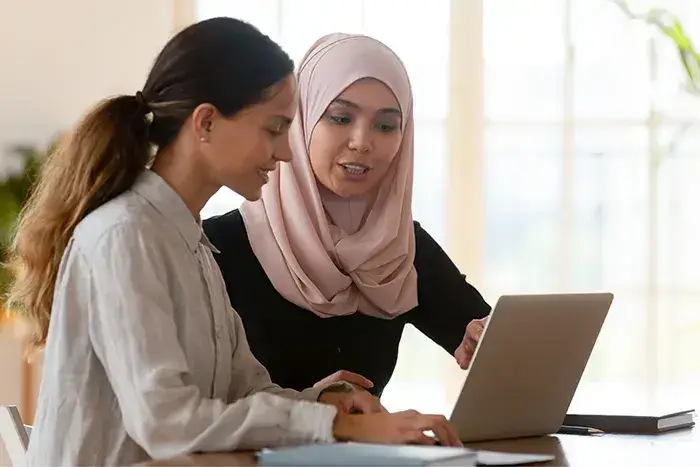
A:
579	430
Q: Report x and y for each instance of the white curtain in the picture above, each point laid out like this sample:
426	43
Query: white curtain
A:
592	166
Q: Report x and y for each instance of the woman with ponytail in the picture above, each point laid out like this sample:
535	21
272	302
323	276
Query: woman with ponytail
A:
144	357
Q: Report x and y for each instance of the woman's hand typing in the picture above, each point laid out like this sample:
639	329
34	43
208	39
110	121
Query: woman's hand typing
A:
407	427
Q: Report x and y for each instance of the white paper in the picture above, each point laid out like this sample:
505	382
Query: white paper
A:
507	458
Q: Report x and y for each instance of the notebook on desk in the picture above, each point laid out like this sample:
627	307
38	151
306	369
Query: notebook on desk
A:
633	423
633	409
359	454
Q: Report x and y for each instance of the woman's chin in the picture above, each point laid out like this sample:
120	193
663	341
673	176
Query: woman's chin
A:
349	190
250	193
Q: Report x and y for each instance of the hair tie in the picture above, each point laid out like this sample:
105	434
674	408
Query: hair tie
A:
143	106
141	101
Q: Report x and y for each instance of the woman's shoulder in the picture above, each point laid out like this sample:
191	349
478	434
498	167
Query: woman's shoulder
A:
430	257
225	229
122	219
227	232
423	239
235	257
230	218
418	229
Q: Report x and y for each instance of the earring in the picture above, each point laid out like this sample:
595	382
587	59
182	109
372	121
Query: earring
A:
202	139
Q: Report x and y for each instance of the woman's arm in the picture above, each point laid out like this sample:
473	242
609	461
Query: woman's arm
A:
447	303
134	335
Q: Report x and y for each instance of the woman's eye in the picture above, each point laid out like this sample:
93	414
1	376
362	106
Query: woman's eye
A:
340	119
386	127
275	131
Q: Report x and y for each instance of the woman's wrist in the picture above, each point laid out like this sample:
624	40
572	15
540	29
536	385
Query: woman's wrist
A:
337	387
345	426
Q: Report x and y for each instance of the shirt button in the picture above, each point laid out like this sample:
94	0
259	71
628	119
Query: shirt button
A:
337	349
218	333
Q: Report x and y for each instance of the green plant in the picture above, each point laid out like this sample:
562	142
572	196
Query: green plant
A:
671	27
13	193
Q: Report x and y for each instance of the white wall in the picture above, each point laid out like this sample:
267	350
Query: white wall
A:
59	57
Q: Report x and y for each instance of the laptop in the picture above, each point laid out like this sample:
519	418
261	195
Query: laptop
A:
528	364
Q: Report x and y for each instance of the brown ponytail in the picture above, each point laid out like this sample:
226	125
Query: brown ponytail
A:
97	162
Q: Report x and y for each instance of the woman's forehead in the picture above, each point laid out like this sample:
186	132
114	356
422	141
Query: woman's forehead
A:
282	98
369	94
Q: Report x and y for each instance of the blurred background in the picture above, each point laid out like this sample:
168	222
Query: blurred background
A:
557	149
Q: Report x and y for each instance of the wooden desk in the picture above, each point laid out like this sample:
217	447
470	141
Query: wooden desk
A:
677	448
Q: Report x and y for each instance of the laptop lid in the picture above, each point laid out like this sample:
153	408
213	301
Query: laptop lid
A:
528	364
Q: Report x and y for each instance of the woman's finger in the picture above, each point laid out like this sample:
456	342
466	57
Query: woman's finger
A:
354	378
418	437
347	376
464	355
432	423
474	330
447	435
369	404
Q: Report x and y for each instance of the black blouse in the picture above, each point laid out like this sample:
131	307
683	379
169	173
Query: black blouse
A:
300	348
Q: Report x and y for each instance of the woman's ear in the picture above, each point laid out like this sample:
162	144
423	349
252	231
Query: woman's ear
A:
203	119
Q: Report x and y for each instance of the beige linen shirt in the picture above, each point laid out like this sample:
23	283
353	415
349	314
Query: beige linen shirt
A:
145	357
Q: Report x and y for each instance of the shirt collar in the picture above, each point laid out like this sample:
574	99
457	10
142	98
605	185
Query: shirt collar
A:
167	202
205	241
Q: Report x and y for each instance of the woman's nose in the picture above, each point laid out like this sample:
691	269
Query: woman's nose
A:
283	151
360	141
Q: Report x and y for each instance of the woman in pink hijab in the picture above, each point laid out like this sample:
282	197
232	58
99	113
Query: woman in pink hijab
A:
328	266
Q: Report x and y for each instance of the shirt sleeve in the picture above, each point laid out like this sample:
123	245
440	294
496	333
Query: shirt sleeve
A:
134	335
446	301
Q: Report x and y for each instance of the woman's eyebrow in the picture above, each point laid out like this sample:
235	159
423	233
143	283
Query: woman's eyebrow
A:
385	110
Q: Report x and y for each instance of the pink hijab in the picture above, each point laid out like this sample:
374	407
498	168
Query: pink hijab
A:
331	255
